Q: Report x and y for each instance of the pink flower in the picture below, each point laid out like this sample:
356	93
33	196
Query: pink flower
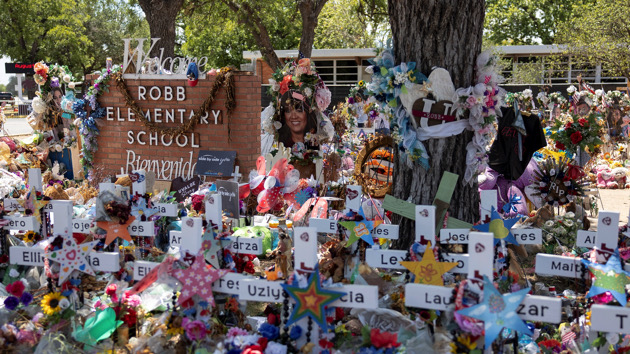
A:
100	305
111	291
471	101
195	330
235	331
603	298
322	97
133	300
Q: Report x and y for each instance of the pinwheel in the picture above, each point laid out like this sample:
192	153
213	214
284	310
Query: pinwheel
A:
281	181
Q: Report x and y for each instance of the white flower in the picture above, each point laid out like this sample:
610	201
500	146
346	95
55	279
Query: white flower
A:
13	273
274	85
277	125
71	85
66	78
527	93
77	122
39	106
369	70
275	348
64	303
549	223
569	223
599	92
570	215
58	148
308	92
571	89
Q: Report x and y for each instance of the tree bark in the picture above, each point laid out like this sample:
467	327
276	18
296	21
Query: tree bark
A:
448	34
310	10
161	15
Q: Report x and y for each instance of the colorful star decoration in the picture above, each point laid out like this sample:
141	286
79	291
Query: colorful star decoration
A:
212	248
609	277
115	230
197	279
498	311
499	227
429	271
72	257
311	301
360	229
31	203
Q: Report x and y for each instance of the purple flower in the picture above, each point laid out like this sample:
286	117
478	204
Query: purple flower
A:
11	302
26	298
54	82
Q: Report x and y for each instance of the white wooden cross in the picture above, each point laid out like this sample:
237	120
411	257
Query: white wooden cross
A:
237	176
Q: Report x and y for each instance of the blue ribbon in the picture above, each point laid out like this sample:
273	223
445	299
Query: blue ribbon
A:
510	206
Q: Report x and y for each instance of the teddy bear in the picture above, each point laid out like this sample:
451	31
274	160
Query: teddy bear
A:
620	174
605	177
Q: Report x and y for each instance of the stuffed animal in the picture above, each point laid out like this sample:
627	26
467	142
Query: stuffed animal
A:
605	177
620	174
507	190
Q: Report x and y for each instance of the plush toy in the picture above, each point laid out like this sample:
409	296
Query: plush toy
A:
605	177
512	190
620	174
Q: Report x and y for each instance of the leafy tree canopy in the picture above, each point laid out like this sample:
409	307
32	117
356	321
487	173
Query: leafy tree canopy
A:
515	22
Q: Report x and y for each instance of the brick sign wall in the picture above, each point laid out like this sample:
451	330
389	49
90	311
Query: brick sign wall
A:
125	142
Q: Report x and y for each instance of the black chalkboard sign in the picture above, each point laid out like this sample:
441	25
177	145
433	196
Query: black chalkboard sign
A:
183	188
215	163
229	198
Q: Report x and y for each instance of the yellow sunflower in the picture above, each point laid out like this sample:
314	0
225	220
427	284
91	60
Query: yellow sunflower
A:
50	303
29	236
361	83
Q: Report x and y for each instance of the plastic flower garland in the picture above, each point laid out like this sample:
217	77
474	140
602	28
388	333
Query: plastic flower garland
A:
483	104
388	82
88	125
302	79
571	132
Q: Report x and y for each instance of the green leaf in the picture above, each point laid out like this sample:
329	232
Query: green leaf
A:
404	89
384	71
393	103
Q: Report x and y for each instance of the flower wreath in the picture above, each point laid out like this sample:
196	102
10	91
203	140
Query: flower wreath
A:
557	182
571	132
48	78
299	80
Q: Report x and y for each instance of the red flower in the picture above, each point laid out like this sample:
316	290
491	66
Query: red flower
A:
16	288
262	341
249	268
576	137
550	344
383	339
188	303
253	349
130	318
284	85
272	319
326	344
582	122
197	203
111	292
560	146
567	126
339	313
4	259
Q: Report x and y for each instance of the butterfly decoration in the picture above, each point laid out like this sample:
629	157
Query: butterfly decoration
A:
282	181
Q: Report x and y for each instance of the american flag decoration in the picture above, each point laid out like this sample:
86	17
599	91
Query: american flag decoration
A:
568	337
584	86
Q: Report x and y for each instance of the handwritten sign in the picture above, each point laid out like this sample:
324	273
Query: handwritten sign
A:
183	188
215	163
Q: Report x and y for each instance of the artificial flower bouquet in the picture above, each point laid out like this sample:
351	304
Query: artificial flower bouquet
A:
571	132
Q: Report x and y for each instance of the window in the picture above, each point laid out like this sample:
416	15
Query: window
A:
338	71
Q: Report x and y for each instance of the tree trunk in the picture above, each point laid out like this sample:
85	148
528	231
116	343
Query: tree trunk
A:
448	34
310	10
161	15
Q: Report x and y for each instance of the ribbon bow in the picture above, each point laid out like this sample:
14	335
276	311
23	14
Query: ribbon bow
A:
510	206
